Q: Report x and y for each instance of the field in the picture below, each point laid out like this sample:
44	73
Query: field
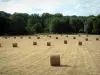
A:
29	59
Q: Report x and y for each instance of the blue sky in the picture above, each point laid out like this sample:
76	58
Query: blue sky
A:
66	7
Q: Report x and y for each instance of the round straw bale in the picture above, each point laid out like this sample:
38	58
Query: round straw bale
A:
0	45
48	43
49	36
80	43
65	41
6	37
21	37
86	39
97	38
56	37
14	37
74	37
15	45
55	60
66	35
34	43
29	37
38	37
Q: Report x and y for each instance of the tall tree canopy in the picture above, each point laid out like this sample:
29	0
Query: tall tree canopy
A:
23	23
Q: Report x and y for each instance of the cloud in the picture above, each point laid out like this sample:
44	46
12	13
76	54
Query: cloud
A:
5	0
77	6
66	7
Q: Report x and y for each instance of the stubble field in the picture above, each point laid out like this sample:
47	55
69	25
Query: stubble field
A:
29	59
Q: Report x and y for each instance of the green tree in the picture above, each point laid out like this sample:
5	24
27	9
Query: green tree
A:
4	22
38	28
17	25
60	25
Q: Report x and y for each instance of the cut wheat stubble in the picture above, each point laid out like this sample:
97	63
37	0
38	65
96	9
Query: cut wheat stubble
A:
79	35
55	60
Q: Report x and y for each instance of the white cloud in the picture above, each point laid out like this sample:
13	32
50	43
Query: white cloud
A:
68	7
77	6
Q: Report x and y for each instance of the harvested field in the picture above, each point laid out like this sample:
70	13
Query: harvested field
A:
28	59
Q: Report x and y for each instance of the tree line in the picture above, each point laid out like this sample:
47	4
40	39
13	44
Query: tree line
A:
23	23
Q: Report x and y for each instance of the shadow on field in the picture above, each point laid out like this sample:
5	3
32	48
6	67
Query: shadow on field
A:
63	66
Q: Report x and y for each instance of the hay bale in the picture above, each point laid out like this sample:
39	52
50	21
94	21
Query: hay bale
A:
21	37
65	41
15	45
48	43
97	38
5	37
49	36
66	35
14	37
34	43
29	37
74	37
0	45
38	37
80	43
86	39
56	37
55	60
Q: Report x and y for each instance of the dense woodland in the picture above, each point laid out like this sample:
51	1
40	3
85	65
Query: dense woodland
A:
24	24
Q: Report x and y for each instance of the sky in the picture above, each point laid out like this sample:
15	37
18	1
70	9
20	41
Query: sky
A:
66	7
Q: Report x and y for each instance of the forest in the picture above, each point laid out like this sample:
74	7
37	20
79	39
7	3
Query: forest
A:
28	24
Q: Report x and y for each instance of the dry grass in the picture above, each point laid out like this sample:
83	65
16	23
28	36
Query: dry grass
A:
79	35
55	60
87	35
28	59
